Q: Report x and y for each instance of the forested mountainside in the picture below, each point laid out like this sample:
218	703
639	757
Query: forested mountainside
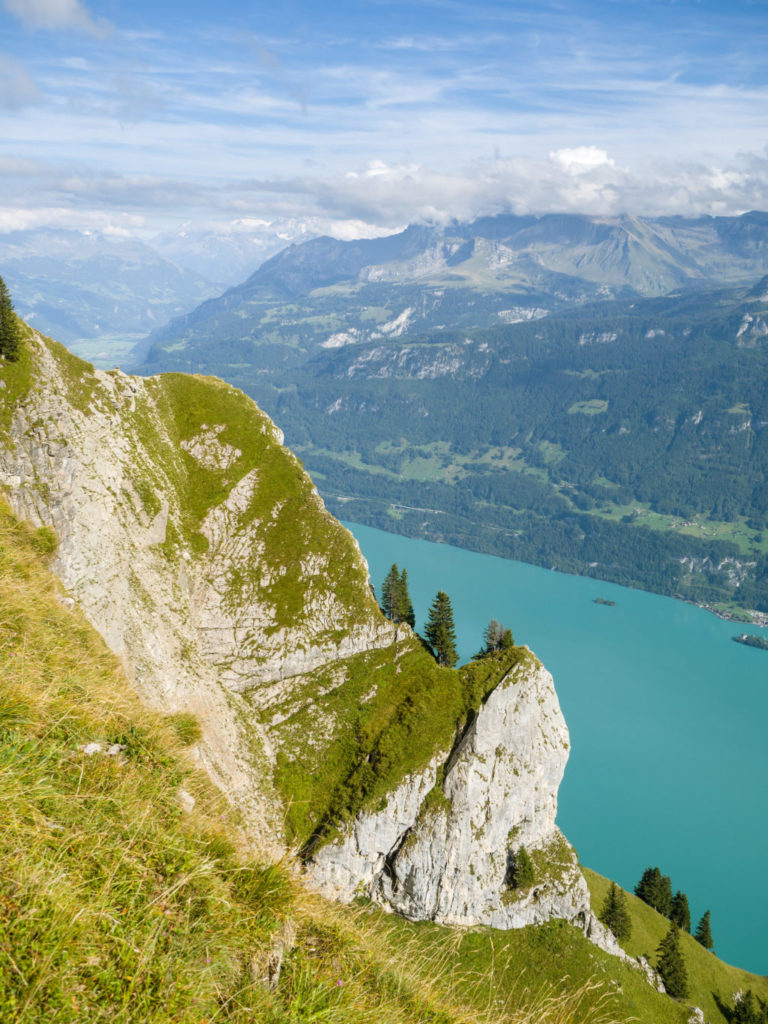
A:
592	428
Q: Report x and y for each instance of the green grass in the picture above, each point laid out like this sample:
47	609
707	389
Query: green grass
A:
710	979
497	968
18	378
357	729
117	906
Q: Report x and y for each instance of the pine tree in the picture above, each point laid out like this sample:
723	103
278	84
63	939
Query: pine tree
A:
440	631
704	932
655	889
395	599
10	332
615	915
492	635
671	965
389	592
495	638
521	874
664	896
680	912
405	604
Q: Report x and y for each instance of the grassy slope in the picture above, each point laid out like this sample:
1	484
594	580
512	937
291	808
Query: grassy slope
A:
499	967
363	724
115	905
709	979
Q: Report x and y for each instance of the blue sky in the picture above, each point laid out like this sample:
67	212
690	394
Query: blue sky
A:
137	116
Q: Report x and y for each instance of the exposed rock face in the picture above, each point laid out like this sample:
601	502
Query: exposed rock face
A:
443	852
84	472
194	608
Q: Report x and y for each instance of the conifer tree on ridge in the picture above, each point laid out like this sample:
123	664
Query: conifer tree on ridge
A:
671	965
440	631
680	912
704	932
10	332
655	889
615	915
395	599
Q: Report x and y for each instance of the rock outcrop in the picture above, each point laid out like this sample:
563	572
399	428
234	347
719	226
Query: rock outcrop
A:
444	846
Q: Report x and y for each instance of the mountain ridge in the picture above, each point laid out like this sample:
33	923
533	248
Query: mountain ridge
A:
552	260
201	551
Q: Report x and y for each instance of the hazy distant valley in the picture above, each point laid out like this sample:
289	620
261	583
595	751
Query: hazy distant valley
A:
101	294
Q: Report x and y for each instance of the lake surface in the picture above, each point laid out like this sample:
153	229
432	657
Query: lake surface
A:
668	720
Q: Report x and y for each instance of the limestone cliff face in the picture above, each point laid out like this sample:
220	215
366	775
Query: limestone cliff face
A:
161	588
443	850
187	534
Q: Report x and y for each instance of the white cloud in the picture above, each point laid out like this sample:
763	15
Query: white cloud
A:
394	194
14	218
582	159
55	15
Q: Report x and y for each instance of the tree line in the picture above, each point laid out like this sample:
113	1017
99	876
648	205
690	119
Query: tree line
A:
655	890
440	629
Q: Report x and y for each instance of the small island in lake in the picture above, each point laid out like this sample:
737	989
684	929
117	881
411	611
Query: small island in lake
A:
752	641
605	601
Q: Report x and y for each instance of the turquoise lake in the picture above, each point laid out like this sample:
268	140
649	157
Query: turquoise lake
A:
668	720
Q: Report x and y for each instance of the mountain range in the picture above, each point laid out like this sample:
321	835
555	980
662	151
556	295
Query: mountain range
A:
327	293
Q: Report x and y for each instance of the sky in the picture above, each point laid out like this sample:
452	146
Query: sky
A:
139	116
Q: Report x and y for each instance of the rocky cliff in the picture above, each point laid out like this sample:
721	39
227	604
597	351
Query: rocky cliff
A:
443	848
191	538
201	551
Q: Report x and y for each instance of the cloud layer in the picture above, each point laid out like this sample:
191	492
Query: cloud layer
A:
461	111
